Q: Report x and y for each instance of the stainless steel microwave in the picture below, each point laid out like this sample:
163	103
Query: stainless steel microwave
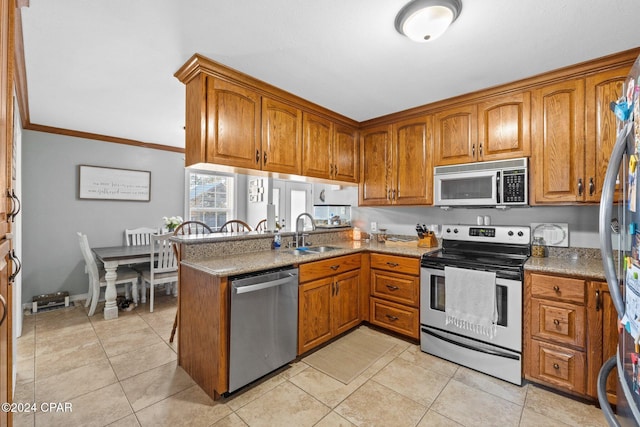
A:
498	183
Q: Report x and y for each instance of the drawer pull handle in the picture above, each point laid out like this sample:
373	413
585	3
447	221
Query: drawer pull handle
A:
392	264
598	302
392	287
392	318
335	267
556	289
556	366
556	322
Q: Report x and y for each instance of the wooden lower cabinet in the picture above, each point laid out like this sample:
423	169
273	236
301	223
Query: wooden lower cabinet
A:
570	330
203	337
328	300
395	294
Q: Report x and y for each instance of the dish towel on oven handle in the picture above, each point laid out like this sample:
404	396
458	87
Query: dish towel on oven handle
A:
470	300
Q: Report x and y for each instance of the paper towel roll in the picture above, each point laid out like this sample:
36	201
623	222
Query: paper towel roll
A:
271	217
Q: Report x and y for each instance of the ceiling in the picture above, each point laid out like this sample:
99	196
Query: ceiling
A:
106	66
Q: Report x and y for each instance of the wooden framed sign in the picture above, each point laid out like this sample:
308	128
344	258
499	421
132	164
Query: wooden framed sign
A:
102	183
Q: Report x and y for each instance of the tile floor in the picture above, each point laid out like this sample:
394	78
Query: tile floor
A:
124	373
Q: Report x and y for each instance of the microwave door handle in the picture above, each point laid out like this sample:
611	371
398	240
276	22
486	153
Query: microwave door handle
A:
498	192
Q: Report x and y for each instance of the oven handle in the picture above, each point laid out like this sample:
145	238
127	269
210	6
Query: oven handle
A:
470	347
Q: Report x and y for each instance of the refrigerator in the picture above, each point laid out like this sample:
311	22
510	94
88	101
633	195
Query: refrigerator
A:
619	230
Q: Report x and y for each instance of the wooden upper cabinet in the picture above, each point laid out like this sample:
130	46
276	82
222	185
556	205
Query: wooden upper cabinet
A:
329	150
456	136
412	171
558	141
233	124
281	137
317	147
503	127
601	89
375	161
346	154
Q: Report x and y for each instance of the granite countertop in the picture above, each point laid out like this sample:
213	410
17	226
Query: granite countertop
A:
577	262
231	265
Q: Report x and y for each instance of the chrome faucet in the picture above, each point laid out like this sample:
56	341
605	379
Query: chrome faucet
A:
300	227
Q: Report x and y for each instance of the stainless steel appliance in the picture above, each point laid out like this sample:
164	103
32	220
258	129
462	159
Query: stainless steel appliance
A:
264	324
499	249
622	271
499	183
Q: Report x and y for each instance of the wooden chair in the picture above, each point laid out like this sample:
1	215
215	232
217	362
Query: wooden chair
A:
139	236
192	227
126	276
164	270
235	225
262	226
186	228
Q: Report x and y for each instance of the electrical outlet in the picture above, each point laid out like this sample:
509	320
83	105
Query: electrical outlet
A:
374	226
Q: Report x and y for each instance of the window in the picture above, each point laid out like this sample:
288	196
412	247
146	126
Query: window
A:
211	198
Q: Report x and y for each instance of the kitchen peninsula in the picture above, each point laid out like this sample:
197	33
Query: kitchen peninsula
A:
208	262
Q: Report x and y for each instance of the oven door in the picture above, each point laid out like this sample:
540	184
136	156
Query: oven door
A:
478	188
509	302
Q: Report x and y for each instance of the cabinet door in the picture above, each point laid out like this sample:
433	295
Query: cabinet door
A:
317	135
281	137
456	135
314	313
503	127
233	124
346	154
6	340
345	314
558	141
601	89
602	337
413	169
375	161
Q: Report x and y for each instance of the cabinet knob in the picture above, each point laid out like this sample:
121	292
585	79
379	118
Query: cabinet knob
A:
580	187
335	267
556	366
257	156
556	289
592	186
556	322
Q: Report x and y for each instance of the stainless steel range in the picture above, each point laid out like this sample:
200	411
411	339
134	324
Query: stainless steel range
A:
493	251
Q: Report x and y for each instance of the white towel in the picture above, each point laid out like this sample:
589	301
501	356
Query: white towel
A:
470	300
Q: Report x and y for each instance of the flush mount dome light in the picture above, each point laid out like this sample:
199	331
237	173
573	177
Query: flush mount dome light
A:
426	20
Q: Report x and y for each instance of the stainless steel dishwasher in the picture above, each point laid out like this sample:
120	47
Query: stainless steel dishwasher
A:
264	324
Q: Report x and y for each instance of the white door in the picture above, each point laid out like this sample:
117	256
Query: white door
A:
291	199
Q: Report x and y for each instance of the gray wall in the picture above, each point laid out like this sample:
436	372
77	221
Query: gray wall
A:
582	220
52	212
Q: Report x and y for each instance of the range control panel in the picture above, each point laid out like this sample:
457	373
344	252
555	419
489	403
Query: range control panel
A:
516	234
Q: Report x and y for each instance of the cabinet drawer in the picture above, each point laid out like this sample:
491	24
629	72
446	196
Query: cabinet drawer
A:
398	264
558	366
328	267
401	288
562	288
557	321
395	317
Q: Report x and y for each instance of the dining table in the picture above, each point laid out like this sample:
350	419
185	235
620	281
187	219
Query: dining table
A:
112	257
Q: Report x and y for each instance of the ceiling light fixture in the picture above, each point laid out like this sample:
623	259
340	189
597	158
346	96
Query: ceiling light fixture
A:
426	20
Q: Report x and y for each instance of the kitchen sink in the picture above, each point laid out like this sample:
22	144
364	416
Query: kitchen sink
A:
298	252
320	249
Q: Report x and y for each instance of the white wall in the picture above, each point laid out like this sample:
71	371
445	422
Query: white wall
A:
52	212
582	220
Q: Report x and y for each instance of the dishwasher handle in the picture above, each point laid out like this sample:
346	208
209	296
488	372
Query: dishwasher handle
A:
264	285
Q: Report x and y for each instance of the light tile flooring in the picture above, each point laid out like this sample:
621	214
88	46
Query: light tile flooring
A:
124	373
